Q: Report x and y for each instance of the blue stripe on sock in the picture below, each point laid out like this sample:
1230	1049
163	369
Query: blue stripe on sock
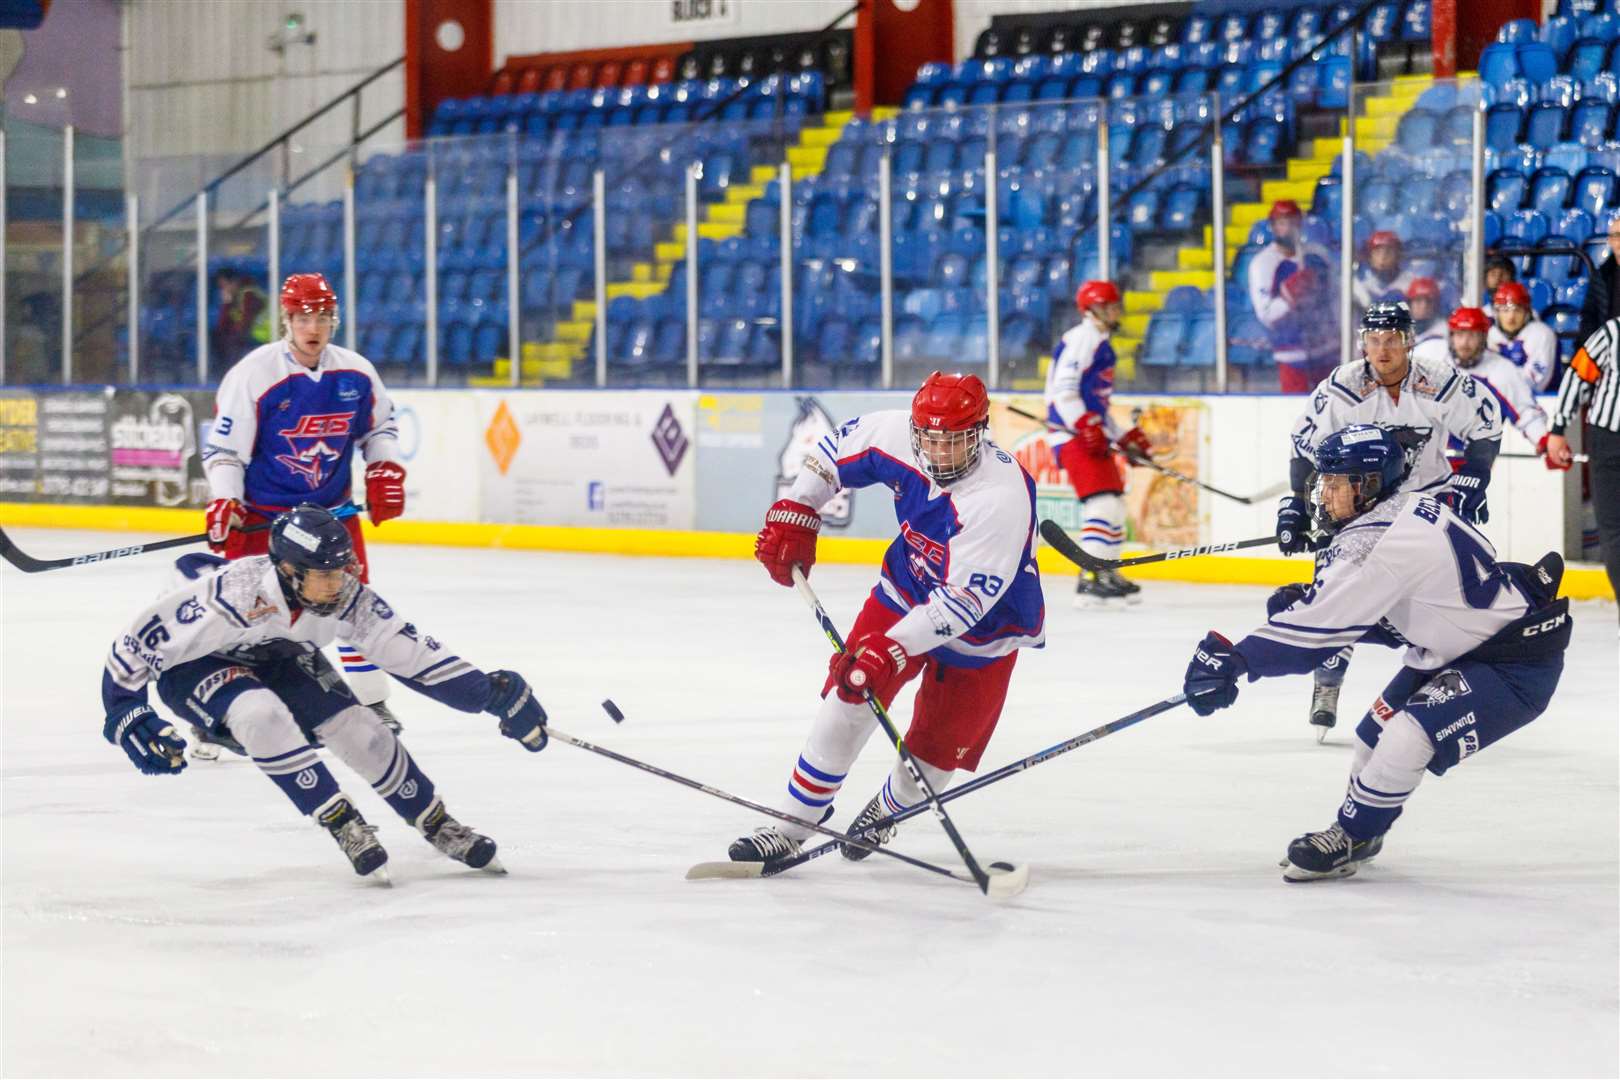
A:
793	791
828	778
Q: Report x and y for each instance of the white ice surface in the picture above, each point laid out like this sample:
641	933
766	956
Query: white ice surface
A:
194	925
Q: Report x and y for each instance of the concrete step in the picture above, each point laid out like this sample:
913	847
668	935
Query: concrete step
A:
1301	191
1162	281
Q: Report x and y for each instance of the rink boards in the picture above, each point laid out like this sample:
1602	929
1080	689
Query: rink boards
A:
688	473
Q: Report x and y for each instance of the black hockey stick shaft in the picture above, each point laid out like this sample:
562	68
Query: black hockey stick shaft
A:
912	769
1053	533
30	565
1012	769
1247	500
726	796
1515	456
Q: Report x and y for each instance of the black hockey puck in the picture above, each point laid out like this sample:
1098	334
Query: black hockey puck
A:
1006	866
613	711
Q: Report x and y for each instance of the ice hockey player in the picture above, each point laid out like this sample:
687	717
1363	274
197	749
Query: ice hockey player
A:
1290	283
1423	297
957	597
1079	384
1484	639
1522	338
287	419
1424	403
1382	278
1496	373
235	648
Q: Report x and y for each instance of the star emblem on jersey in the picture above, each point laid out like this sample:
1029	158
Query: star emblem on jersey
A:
312	452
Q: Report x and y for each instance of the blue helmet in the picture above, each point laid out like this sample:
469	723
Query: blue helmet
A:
307	538
1373	460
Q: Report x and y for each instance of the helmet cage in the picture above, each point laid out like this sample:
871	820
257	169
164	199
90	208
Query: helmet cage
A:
947	455
1368	488
293	579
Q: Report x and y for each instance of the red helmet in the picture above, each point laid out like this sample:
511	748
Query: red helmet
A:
1469	318
1423	286
1284	208
953	412
1383	238
1095	294
307	293
1511	293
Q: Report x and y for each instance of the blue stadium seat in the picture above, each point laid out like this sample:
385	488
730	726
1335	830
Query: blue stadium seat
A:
1574	224
1198	350
1558	33
1505	190
1549	190
1526	226
1536	62
1594	190
1545	125
1166	332
1590	122
1499	62
1416	131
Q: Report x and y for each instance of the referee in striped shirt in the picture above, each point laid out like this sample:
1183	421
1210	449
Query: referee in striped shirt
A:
1593	381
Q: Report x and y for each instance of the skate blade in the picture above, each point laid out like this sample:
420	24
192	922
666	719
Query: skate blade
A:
380	877
1099	603
1321	735
1296	876
493	866
716	871
1006	880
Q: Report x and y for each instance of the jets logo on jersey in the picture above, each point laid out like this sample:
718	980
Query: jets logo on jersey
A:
308	440
932	551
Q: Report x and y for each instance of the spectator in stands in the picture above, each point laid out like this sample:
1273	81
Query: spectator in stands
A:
1499	270
1522	338
1423	297
1381	277
1291	291
1602	301
242	322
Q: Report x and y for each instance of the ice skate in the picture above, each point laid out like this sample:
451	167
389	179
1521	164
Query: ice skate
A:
457	840
386	715
357	839
1104	589
767	844
206	745
1324	709
1328	854
873	811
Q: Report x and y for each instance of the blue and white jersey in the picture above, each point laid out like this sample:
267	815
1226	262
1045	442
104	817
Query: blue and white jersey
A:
962	571
1080	380
1534	349
1296	336
1408	572
226	609
284	434
1437	402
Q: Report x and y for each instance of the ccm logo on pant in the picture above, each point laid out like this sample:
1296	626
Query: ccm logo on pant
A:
1542	628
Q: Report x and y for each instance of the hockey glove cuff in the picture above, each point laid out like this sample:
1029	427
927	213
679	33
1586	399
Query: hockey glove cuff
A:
149	740
1212	675
521	716
1466	495
222	516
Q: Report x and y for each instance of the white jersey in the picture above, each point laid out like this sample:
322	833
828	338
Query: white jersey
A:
962	572
239	605
1407	572
285	434
1507	381
1296	336
1534	348
1079	380
1436	330
1437	401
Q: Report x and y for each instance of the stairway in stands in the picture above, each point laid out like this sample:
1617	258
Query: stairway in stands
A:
561	357
1375	129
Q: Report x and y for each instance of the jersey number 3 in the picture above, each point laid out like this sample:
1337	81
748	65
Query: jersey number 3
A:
1482	580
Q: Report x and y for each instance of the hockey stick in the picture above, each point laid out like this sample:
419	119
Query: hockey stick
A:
1065	545
1247	500
754	870
726	796
1014	878
30	565
1514	456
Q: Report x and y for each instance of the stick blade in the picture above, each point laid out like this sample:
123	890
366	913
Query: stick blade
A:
1007	880
1064	545
715	871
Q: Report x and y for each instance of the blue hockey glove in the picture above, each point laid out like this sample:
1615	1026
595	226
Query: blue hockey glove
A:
1466	495
1212	675
520	714
149	740
1293	522
1284	598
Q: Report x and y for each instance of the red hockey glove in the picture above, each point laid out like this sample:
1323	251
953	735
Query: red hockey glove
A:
1136	445
1558	461
873	665
385	490
1299	287
222	516
1090	435
788	538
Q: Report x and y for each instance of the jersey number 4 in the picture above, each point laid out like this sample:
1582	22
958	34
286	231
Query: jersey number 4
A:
1482	580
